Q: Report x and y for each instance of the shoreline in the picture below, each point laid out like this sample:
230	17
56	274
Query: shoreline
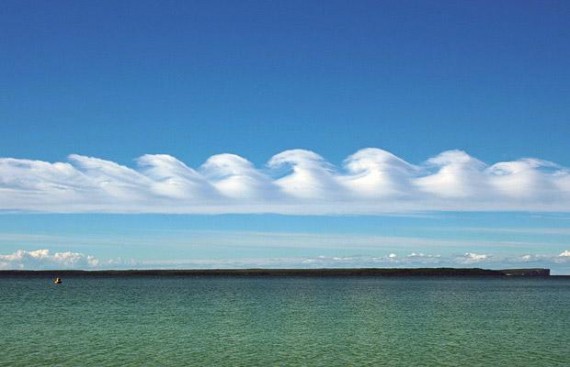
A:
324	272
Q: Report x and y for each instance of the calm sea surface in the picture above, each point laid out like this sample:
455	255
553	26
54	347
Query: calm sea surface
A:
213	321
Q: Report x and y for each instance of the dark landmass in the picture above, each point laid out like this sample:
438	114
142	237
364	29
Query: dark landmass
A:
362	272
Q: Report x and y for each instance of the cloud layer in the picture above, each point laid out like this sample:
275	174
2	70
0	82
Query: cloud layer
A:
43	259
371	181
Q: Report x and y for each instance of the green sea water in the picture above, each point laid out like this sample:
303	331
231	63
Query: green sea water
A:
210	321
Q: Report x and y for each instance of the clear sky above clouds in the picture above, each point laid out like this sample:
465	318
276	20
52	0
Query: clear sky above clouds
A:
361	133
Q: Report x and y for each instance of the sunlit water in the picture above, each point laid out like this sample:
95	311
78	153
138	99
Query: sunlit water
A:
213	321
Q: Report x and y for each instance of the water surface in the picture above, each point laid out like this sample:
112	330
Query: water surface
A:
175	321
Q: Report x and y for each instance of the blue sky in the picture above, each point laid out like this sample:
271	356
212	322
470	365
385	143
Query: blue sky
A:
465	106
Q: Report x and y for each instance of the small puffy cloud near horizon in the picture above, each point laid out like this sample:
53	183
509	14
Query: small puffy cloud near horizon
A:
299	182
43	259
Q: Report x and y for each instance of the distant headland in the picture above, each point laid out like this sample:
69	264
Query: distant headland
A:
327	272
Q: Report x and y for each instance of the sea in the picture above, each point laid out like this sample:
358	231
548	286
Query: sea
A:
284	321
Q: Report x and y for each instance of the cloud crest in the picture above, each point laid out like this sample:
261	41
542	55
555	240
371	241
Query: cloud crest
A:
371	181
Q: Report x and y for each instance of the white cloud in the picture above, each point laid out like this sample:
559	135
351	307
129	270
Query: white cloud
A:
472	258
375	173
542	260
169	178
236	177
43	259
371	181
312	178
390	260
459	176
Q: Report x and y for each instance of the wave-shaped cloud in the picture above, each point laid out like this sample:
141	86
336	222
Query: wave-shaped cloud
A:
371	181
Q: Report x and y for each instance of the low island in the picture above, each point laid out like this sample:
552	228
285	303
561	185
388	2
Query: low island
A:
327	272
